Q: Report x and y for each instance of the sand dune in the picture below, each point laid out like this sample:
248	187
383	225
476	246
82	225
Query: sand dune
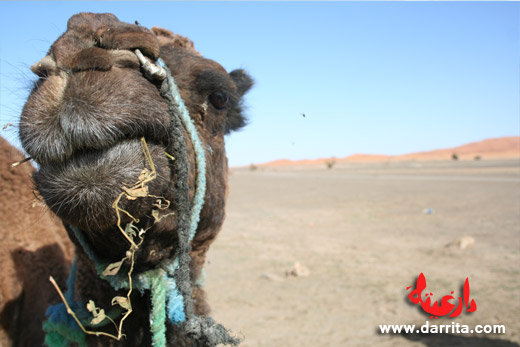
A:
496	148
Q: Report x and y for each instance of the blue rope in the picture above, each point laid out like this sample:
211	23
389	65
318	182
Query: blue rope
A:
158	311
200	158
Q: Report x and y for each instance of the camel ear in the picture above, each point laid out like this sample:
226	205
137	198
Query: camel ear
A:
235	117
243	81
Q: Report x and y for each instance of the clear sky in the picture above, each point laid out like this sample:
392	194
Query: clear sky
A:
370	77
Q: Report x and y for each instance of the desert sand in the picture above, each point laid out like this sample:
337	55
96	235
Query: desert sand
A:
360	233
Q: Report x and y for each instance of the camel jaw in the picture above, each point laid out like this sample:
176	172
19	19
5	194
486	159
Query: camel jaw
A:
83	189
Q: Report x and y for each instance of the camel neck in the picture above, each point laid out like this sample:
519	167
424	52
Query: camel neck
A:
89	286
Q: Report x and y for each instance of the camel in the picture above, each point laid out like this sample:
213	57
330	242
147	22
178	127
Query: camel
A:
127	127
34	246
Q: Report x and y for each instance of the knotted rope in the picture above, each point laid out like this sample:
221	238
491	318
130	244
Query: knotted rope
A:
169	283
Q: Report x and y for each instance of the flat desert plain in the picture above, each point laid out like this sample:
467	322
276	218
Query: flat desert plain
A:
360	234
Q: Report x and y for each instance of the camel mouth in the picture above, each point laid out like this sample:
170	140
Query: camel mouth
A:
86	190
82	189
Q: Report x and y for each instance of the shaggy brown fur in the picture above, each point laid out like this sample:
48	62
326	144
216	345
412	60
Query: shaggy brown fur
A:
34	245
82	124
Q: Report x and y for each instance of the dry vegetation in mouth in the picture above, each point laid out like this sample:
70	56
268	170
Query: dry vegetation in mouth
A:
135	237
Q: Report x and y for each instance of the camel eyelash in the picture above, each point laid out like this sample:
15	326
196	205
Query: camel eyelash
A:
209	82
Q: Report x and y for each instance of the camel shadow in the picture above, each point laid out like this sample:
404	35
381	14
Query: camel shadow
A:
22	317
442	340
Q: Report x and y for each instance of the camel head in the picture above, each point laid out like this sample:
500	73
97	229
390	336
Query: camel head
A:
85	117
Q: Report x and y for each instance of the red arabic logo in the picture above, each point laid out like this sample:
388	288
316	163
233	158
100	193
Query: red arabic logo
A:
445	307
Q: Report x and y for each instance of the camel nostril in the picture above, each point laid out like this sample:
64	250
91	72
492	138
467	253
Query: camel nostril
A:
92	58
44	67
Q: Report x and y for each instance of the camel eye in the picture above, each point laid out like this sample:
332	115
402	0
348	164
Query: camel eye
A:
219	100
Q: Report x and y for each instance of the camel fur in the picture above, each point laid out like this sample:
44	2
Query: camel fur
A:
34	245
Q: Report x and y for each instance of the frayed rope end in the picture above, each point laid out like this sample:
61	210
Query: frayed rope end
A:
204	329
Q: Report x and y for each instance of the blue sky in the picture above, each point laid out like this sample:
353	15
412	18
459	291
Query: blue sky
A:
370	77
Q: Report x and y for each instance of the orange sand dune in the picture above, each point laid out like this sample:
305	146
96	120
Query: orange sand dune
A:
365	158
497	148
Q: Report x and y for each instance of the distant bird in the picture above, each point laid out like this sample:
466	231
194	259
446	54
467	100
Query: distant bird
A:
303	114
